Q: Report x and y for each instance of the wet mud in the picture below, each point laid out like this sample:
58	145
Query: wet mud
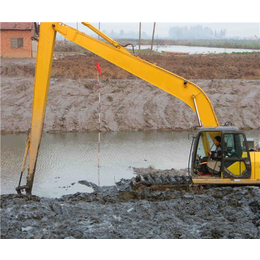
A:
113	212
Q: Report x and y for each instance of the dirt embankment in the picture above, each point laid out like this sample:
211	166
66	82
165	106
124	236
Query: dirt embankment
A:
128	103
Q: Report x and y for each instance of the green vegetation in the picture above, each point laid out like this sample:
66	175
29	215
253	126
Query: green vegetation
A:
236	44
221	43
245	52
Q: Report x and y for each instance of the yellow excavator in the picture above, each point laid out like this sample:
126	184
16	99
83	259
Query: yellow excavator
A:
235	164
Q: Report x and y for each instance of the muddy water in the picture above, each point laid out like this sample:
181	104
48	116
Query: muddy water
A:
66	158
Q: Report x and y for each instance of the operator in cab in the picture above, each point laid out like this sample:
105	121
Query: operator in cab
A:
217	153
212	164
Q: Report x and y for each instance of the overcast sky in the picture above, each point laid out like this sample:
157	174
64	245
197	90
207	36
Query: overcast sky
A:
240	19
162	28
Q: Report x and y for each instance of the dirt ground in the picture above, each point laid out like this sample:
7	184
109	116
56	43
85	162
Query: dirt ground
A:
219	66
215	66
127	102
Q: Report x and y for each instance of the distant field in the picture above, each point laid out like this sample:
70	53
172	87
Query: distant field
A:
65	46
238	44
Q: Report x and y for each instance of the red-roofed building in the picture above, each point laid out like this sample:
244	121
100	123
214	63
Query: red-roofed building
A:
18	40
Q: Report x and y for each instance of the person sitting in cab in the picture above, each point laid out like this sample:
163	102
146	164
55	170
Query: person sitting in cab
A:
213	164
217	153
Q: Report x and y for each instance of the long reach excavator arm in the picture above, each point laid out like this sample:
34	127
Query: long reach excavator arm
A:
112	51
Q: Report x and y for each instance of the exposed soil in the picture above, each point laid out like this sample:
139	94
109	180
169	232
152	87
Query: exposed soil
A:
218	66
128	103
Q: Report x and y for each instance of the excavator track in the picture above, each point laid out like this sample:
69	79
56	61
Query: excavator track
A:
155	182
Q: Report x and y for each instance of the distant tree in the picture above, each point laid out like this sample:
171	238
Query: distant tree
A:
174	33
194	32
112	34
121	33
223	33
145	35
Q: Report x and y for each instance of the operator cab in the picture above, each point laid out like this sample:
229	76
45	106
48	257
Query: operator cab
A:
233	160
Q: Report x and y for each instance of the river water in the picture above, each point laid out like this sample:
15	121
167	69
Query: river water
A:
66	158
191	49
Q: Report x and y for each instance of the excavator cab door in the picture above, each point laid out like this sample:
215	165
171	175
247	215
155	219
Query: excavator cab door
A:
236	159
202	163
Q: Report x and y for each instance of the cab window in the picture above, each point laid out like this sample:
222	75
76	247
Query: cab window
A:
234	146
235	153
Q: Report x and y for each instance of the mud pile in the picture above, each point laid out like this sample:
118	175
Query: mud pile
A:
227	212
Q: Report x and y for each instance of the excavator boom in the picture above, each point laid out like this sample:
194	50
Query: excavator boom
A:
113	52
159	77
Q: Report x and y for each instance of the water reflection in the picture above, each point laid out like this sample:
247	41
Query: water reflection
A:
66	158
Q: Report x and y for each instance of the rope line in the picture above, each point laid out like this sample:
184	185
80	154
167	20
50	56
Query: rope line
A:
99	111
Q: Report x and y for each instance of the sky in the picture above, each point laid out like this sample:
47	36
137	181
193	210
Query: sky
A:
241	20
240	29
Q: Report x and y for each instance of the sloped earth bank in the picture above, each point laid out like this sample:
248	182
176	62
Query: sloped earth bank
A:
128	103
109	212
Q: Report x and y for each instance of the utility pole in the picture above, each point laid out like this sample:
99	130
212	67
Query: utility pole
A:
153	37
139	36
99	30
